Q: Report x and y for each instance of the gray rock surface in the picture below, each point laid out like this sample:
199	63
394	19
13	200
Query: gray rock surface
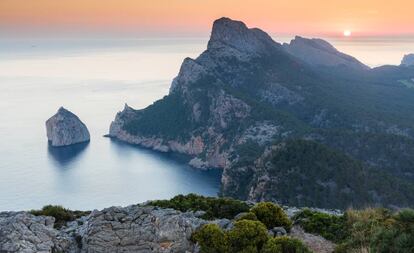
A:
278	231
23	232
65	128
129	229
408	60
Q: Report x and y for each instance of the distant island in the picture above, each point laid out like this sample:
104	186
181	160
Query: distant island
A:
300	124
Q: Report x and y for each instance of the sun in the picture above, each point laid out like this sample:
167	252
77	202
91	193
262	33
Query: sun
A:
347	33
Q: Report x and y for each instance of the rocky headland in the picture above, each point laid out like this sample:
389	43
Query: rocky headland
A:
65	128
257	109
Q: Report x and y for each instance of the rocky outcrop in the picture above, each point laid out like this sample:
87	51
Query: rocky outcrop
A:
408	60
65	128
24	232
318	52
129	229
138	229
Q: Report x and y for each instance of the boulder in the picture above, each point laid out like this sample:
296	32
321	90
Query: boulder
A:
65	128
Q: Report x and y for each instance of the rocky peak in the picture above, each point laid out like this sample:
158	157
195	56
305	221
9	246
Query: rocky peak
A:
65	128
408	60
319	52
235	34
190	71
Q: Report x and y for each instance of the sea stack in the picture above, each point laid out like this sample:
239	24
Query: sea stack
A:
65	128
408	60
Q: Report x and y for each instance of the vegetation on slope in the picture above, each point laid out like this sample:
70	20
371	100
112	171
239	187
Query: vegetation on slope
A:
331	227
167	118
306	173
373	230
215	208
250	234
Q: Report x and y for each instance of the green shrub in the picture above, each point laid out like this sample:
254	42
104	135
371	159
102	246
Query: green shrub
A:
214	207
248	216
331	227
377	230
61	214
396	236
271	215
211	239
247	236
284	244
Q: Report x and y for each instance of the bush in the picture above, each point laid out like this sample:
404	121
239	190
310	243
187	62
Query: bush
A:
397	236
211	239
284	244
271	215
247	216
331	227
247	236
214	207
61	214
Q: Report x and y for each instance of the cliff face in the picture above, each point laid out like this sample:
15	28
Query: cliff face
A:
246	93
65	128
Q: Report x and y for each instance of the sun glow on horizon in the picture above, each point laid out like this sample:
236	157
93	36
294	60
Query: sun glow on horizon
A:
347	33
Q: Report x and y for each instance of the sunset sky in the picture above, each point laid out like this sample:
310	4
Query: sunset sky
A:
194	17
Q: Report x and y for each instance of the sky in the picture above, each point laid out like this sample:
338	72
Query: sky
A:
139	18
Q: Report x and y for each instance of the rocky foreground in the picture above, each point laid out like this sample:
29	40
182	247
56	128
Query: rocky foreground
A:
65	128
135	228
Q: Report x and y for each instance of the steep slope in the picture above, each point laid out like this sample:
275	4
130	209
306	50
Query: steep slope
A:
246	93
305	173
318	52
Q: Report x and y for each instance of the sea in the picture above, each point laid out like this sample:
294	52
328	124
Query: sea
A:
94	78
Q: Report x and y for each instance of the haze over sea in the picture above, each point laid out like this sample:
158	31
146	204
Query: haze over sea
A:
94	78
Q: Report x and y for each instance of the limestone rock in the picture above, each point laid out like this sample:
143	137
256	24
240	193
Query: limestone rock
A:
24	232
65	128
135	228
235	34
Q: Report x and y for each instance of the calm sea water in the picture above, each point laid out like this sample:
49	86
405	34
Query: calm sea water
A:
94	78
